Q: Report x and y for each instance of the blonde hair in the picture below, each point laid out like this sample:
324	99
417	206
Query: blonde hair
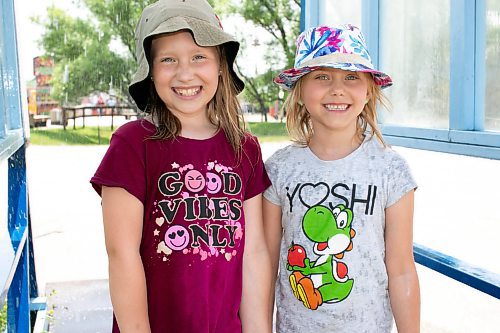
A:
224	110
298	120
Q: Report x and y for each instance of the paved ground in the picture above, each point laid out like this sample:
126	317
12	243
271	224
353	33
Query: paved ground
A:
456	213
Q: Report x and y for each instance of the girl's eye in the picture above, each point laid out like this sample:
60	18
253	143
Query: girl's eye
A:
167	60
351	77
198	57
322	77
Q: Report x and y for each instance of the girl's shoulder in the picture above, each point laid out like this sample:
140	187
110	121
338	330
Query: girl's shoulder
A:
285	154
386	154
135	130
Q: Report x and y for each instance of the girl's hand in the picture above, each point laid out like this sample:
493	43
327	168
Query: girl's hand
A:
306	270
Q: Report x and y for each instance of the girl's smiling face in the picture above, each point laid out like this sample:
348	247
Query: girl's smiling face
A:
185	75
334	97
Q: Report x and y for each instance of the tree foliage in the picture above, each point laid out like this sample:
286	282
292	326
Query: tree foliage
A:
281	19
85	48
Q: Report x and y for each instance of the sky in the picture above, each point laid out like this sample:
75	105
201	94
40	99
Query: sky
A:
28	33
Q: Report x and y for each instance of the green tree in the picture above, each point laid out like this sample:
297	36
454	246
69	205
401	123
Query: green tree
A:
281	19
85	60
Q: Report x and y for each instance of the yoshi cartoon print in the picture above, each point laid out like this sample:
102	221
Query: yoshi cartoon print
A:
325	279
332	275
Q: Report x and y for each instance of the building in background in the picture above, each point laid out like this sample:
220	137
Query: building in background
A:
39	89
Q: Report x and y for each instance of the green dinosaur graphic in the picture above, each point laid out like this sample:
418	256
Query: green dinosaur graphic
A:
324	280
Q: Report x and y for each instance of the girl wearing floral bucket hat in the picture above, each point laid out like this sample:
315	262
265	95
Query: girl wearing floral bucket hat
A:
339	223
182	189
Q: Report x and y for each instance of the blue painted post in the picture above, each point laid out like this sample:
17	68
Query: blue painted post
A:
480	63
474	277
370	25
18	300
310	12
462	60
302	15
10	67
370	18
33	284
2	96
18	306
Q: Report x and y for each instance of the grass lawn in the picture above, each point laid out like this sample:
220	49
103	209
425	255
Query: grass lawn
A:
266	132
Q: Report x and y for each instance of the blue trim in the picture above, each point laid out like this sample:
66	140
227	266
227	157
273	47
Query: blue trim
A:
10	62
33	284
485	138
3	109
480	66
38	304
302	15
10	144
475	277
462	60
16	259
311	13
18	197
472	138
445	147
370	17
415	132
18	299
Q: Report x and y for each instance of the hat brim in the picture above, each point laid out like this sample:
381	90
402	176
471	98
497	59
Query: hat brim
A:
204	34
287	78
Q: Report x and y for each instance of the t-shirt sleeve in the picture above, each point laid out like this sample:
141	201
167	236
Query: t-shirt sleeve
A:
123	166
400	180
271	193
258	180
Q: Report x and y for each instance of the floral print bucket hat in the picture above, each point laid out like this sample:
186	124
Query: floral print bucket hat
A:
341	47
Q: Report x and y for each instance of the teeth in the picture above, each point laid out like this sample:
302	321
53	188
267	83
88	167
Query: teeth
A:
187	92
341	107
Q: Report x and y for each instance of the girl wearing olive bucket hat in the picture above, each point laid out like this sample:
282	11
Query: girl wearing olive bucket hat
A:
347	203
181	190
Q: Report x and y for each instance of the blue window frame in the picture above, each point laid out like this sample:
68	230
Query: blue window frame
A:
465	134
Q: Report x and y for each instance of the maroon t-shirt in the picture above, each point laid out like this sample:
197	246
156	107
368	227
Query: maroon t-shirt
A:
193	228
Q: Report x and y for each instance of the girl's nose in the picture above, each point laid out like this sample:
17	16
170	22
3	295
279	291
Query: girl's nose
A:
184	72
336	88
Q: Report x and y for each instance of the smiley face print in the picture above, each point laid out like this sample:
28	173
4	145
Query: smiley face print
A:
194	181
214	183
177	237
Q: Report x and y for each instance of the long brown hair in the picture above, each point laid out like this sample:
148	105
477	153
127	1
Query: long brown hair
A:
224	110
298	120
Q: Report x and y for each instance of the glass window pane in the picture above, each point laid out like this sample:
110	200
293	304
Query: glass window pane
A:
414	51
340	12
492	109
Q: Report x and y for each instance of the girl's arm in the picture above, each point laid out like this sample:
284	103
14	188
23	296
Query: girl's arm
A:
123	216
404	291
256	271
273	232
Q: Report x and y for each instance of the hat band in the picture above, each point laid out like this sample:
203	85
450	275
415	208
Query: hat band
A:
336	58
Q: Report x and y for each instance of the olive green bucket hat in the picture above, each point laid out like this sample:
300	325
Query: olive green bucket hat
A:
166	16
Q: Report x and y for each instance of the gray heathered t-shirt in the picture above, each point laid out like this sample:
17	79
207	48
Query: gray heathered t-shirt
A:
334	211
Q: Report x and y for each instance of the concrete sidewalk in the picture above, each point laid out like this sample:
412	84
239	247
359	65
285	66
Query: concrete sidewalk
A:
456	213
